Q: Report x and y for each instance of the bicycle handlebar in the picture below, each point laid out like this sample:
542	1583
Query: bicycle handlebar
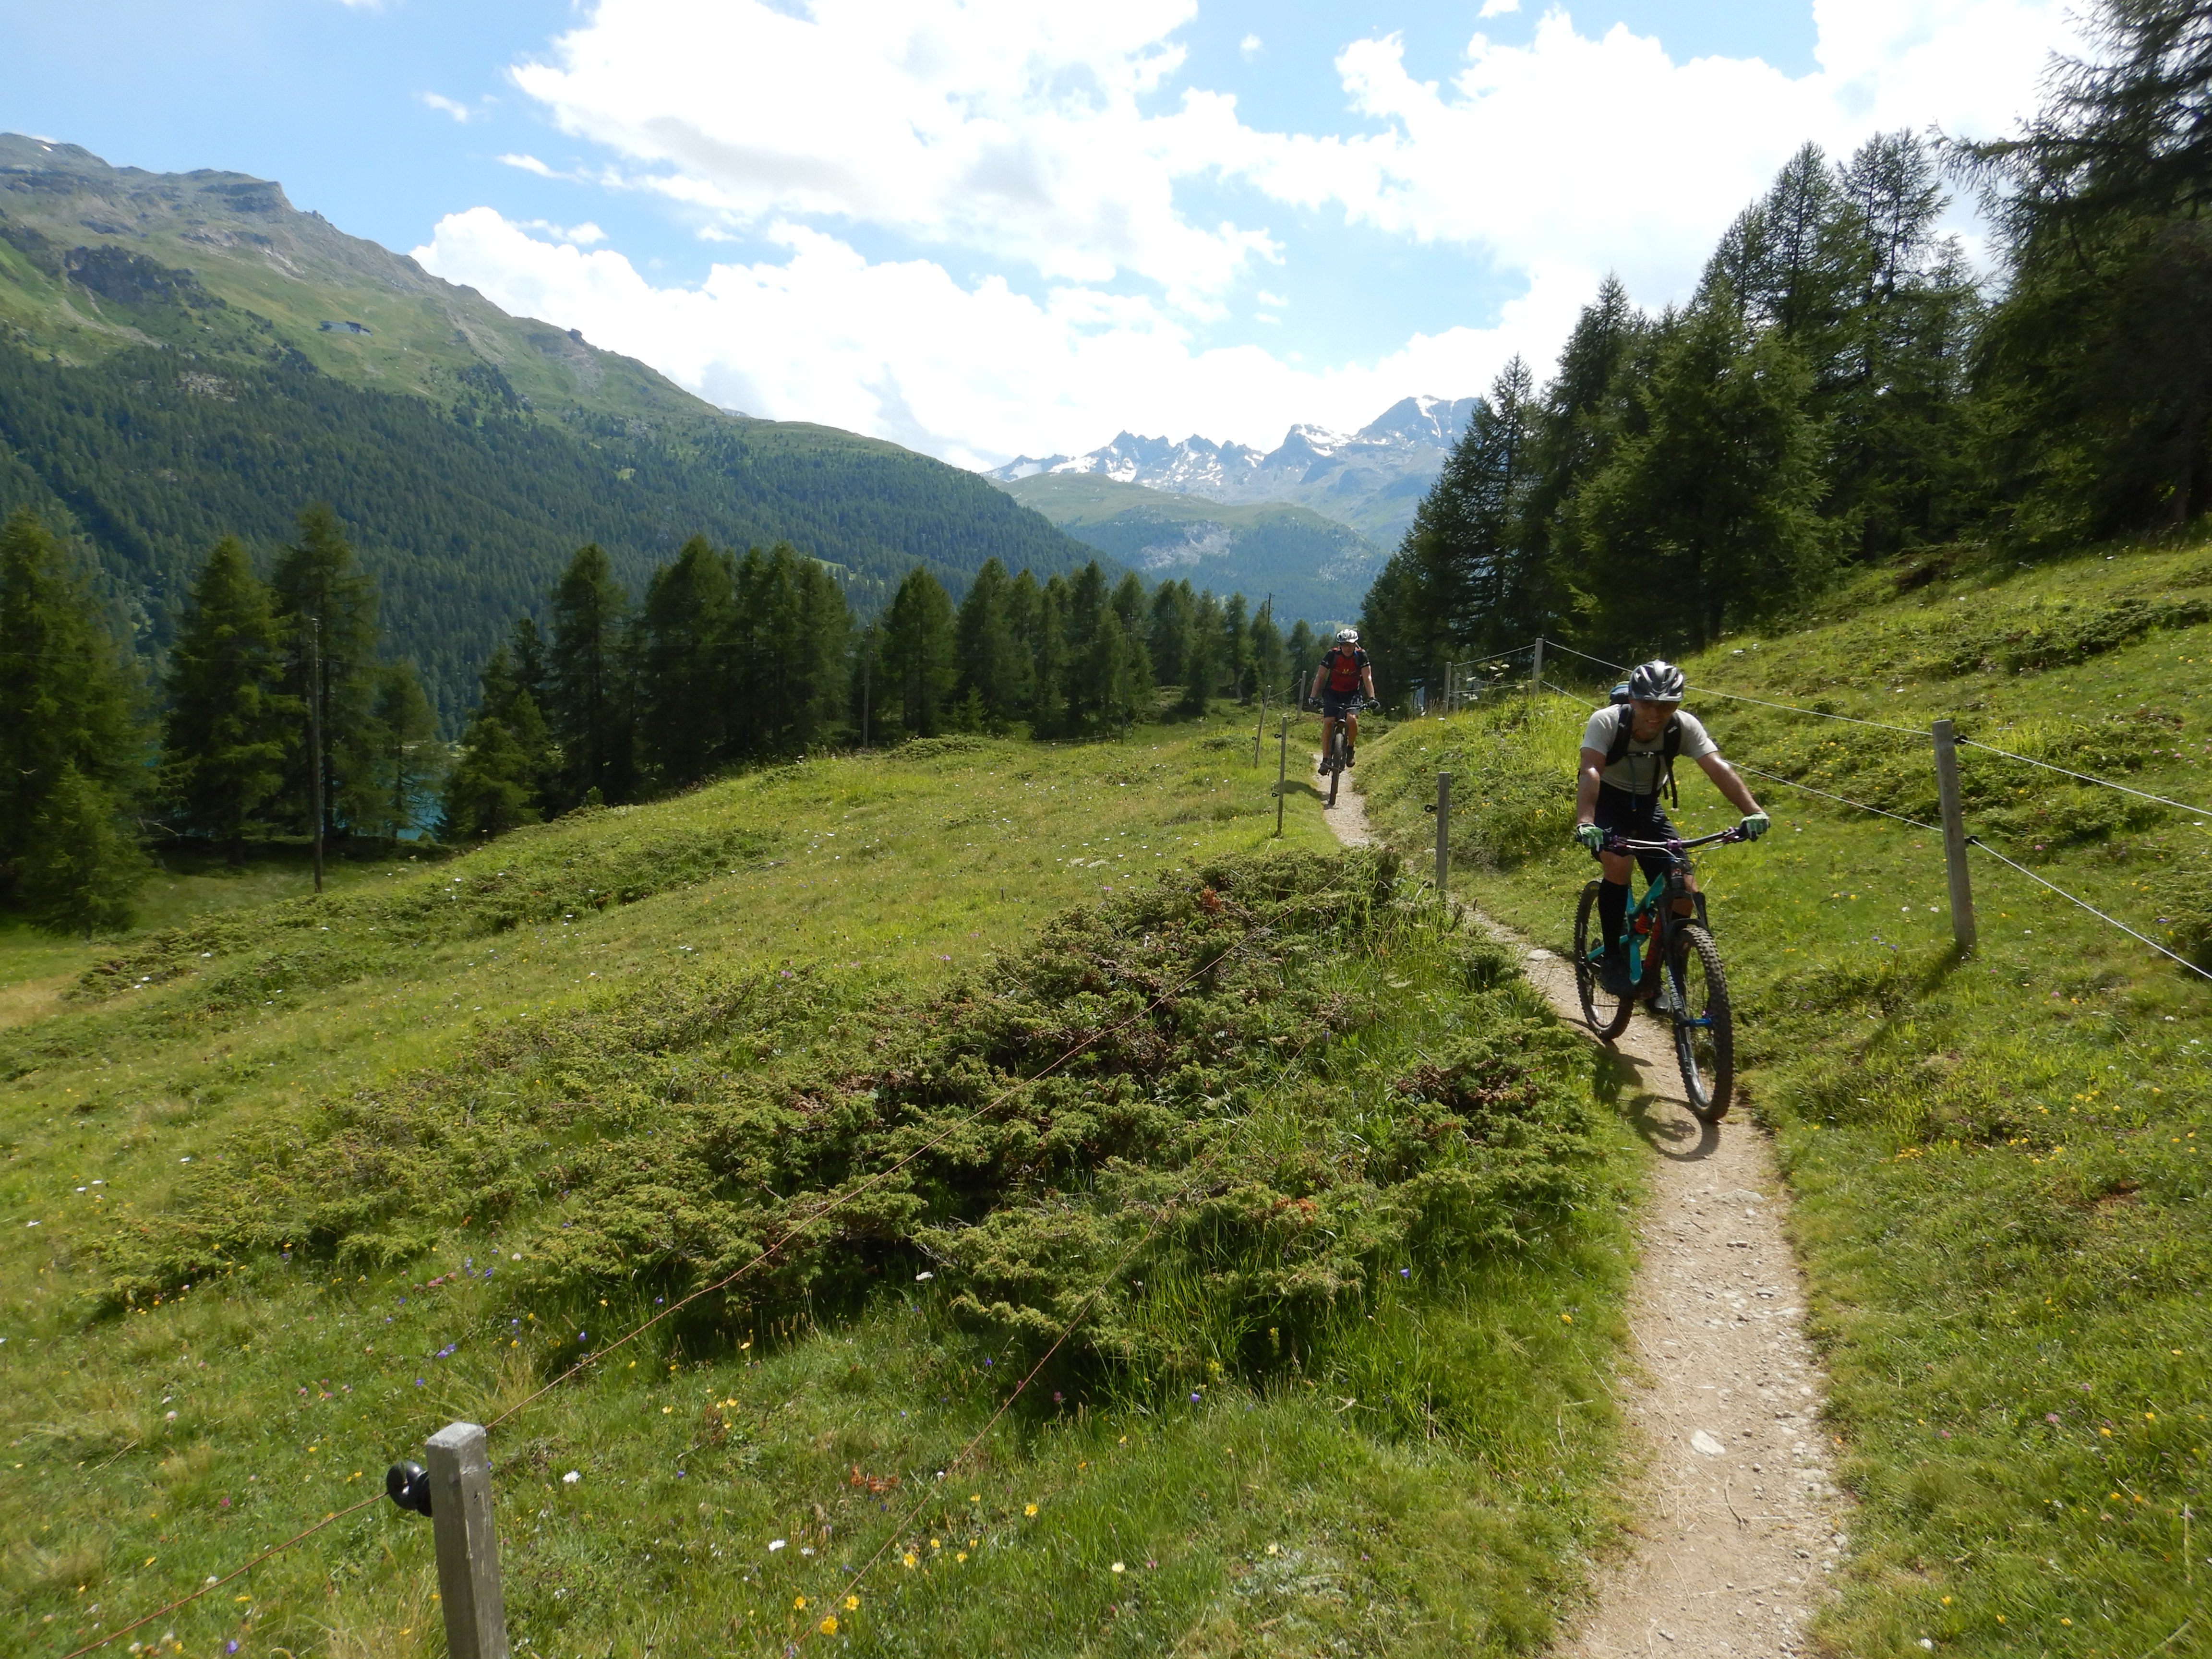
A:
1723	837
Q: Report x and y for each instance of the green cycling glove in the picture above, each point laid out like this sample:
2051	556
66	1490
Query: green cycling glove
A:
1754	825
1589	836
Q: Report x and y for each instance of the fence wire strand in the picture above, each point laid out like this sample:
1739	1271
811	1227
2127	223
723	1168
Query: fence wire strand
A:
839	1202
1846	800
217	1583
1990	749
1976	840
1082	1312
876	1180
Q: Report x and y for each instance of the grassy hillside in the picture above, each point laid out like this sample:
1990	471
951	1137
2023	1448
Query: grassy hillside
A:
1315	567
1318	1191
164	380
1997	1166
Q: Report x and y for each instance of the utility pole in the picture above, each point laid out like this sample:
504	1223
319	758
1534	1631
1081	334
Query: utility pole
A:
866	663
1954	836
315	734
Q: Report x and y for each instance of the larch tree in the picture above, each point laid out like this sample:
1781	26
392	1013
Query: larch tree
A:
228	728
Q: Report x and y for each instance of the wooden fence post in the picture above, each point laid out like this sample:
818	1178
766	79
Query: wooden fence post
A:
1443	832
1536	669
1282	775
468	1550
1954	836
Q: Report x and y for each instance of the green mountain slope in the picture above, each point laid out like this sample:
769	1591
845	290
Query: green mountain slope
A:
1316	567
1997	1158
170	382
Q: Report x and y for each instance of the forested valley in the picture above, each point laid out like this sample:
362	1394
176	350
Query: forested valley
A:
279	714
1843	390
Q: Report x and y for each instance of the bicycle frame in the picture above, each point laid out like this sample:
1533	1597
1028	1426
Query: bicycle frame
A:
1660	896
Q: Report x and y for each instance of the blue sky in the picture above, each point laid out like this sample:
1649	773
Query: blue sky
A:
985	226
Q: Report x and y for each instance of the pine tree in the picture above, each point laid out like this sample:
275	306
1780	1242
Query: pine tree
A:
1269	663
1304	653
410	763
228	728
488	791
1203	668
1168	630
987	645
66	713
79	867
786	653
587	682
688	682
920	651
327	607
2094	375
1708	515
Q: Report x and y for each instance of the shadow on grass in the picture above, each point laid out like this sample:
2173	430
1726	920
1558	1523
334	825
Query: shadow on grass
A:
1666	1126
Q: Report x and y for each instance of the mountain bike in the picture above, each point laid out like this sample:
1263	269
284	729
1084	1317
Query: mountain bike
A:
1340	746
1692	992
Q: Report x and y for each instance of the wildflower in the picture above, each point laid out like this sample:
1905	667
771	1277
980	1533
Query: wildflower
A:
852	1602
830	1626
1027	1508
907	1560
799	1603
773	1545
571	1478
1118	1567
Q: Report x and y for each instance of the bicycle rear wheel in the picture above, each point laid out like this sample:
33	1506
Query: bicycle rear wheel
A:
1704	1037
1607	1014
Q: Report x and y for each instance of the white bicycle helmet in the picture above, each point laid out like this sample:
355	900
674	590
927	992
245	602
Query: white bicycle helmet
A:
1347	637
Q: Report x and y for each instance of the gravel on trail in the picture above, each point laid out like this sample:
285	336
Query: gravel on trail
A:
1736	1524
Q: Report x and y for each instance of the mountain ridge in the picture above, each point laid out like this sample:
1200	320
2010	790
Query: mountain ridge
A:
166	377
1369	480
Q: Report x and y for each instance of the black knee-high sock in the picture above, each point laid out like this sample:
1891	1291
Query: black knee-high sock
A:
1612	910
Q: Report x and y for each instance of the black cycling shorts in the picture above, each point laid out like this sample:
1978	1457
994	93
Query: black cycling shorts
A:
1639	818
1335	705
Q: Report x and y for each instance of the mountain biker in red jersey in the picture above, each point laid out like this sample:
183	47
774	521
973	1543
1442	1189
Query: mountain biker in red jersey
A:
1628	757
1344	674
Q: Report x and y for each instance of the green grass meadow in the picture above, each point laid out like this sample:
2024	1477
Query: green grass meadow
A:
1996	1161
1314	1240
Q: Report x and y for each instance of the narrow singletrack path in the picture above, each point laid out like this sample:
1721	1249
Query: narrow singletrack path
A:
1736	1523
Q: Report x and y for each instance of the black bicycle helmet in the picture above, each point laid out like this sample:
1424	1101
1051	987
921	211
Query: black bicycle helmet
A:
1655	681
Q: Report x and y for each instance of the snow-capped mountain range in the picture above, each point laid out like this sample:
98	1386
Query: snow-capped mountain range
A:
1371	479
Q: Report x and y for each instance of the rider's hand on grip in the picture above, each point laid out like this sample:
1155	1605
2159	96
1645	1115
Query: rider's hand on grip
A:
1590	836
1754	825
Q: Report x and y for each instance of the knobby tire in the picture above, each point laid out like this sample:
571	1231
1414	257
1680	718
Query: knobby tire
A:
1706	1052
1588	984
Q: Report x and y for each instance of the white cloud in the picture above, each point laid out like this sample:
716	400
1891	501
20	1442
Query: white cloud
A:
976	375
1001	126
1499	8
1037	138
1250	46
459	111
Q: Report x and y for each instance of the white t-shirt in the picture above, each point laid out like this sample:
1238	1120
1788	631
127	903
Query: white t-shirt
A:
1640	766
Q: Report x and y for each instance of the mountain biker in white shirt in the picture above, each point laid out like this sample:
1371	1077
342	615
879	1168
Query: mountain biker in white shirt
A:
1627	758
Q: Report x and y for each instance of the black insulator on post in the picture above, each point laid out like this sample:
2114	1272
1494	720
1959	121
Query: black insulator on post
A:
408	1485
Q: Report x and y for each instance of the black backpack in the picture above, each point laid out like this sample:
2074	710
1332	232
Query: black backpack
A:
1670	744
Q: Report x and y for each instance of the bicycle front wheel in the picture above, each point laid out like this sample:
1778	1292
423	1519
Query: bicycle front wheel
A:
1335	768
1704	1037
1607	1015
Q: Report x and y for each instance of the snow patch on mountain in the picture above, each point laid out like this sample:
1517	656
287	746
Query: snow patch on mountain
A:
1371	480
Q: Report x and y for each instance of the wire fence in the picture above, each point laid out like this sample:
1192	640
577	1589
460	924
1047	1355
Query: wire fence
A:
787	1233
1977	842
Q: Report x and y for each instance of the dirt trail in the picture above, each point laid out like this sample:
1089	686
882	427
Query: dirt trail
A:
1737	1523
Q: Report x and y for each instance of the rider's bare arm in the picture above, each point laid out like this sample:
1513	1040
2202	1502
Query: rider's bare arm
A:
1724	779
1367	680
1593	774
